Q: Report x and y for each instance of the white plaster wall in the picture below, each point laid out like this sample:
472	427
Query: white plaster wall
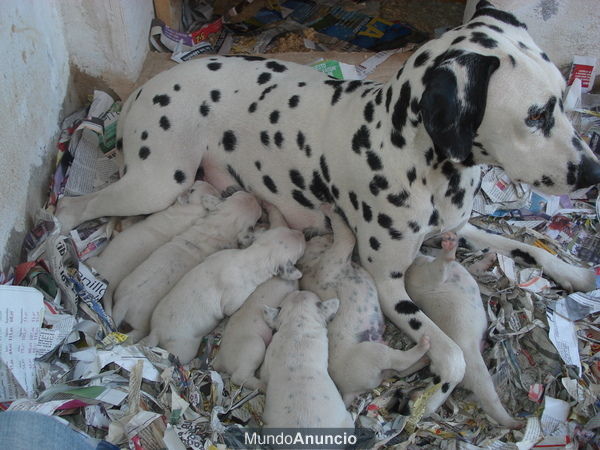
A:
108	38
34	82
562	28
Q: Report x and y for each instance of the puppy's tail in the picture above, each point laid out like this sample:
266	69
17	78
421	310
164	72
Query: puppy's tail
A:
151	340
478	380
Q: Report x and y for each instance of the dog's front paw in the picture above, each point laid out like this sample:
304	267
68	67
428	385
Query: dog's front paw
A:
575	279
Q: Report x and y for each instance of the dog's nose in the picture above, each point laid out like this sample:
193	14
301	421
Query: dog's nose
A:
589	173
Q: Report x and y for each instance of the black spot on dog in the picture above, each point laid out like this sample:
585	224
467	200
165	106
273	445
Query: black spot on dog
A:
266	91
297	179
399	115
384	220
119	143
377	184
370	259
301	84
458	198
353	199
164	123
278	139
499	15
324	168
398	199
137	95
368	112
124	170
457	40
276	67
258	165
561	105
536	183
388	99
263	78
406	307
374	243
301	199
361	139
399	73
308	151
214	66
421	59
274	117
204	109
229	141
523	256
144	152
144	135
395	234
367	212
235	176
300	140
434	218
378	96
523	46
411	175
546	180
571	173
264	138
577	143
335	191
319	189
544	57
374	161
270	184
252	107
483	39
396	275
179	176
414	226
436	379
215	95
513	61
337	93
429	156
162	100
353	85
176	87
415	324
414	105
445	387
293	101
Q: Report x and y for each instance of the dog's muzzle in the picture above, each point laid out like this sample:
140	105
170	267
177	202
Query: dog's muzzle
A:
588	173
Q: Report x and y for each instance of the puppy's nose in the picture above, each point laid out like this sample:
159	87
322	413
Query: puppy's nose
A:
589	172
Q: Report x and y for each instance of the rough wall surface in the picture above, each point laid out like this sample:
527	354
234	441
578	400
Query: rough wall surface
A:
562	28
34	83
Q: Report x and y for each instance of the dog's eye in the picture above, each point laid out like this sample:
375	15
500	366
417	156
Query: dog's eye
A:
535	117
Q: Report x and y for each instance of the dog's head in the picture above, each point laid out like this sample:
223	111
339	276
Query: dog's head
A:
297	307
281	247
492	96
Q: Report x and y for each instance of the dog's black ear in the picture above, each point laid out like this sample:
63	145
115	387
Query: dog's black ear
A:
451	121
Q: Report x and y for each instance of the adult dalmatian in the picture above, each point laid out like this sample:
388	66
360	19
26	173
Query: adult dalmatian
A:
399	159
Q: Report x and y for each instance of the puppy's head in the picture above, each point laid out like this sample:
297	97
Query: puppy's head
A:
198	195
492	96
281	248
315	247
239	212
300	306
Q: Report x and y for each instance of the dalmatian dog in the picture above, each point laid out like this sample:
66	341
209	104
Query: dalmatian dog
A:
358	358
300	392
449	295
141	290
130	248
218	287
399	159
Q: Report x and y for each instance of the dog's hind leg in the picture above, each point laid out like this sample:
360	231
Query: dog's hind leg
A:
568	276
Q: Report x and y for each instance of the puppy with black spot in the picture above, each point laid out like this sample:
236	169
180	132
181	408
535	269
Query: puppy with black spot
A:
139	293
132	246
449	295
246	335
218	287
358	358
300	392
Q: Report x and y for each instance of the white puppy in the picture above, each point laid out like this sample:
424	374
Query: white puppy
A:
131	247
448	294
358	358
218	287
246	336
300	392
139	293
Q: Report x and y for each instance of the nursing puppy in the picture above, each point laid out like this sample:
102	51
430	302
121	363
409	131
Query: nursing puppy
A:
449	295
300	392
131	247
246	336
140	292
218	287
358	359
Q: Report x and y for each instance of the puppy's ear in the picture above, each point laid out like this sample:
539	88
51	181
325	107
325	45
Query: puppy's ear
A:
210	202
328	308
270	315
288	272
450	121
